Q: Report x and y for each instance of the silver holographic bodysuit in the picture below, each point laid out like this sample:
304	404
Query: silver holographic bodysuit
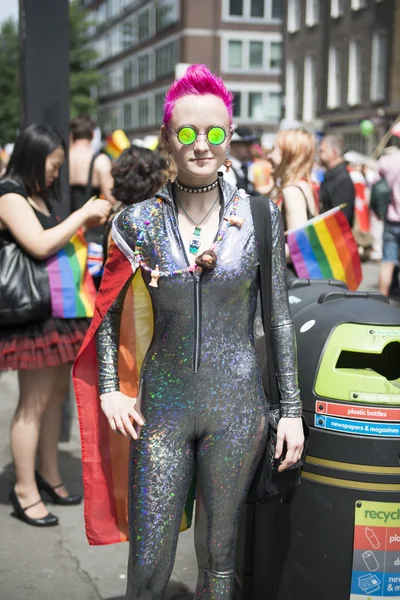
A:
200	390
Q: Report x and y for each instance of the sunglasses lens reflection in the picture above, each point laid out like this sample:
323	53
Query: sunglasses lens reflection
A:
216	136
187	136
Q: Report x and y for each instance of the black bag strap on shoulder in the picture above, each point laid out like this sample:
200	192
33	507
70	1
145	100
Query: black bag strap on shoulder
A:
261	213
89	185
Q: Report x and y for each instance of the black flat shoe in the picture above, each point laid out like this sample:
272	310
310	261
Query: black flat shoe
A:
48	521
44	486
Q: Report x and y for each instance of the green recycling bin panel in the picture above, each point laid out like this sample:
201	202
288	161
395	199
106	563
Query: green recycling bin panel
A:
359	365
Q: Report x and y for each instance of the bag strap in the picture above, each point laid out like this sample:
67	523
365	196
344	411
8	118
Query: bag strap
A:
261	213
89	186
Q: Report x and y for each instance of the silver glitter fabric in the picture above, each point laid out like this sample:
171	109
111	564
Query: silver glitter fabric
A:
201	395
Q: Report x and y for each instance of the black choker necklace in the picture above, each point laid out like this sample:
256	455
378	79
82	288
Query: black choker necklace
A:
200	190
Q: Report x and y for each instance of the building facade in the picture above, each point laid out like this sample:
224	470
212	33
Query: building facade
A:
342	66
144	44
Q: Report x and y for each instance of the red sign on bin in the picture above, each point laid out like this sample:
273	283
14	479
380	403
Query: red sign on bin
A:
351	411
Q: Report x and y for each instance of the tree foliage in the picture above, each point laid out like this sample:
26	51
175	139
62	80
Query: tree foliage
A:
9	82
83	74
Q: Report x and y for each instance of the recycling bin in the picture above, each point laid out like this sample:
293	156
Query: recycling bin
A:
339	537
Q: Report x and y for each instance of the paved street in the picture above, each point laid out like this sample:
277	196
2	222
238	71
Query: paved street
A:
44	564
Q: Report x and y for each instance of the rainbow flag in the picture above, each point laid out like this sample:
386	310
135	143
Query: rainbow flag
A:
72	289
325	248
105	454
116	143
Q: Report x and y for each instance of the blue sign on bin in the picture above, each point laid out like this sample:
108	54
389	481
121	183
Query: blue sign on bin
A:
358	427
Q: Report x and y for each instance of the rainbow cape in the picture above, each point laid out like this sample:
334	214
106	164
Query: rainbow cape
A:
325	248
105	454
72	290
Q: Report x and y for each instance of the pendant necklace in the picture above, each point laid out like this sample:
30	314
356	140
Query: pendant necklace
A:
195	240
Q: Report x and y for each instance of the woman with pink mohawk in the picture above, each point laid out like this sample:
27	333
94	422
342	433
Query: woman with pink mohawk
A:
188	261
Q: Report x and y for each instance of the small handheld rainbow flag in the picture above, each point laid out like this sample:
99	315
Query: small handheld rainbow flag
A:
325	248
72	290
116	143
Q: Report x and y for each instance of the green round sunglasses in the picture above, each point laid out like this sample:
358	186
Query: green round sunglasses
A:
187	135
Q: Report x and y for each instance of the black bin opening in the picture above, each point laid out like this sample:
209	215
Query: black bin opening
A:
386	364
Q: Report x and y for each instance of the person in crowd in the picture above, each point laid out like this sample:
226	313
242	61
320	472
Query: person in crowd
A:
201	404
337	187
138	174
89	173
292	159
240	156
260	171
389	168
89	176
41	351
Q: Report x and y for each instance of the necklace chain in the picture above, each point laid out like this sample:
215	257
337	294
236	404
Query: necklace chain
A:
190	218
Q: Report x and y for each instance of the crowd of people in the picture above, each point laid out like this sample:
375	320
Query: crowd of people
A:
194	229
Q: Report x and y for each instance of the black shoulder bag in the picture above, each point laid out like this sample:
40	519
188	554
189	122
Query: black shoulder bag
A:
24	283
268	484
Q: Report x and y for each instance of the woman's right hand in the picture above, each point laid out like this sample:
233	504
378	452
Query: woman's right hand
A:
120	411
95	212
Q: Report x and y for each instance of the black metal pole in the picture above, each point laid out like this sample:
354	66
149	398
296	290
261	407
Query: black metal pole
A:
44	45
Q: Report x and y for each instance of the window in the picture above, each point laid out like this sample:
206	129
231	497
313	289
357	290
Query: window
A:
294	16
276	9
144	25
309	90
236	8
274	107
358	4
127	116
292	93
257	9
166	59
256	109
159	107
312	12
237	104
354	91
128	76
167	13
334	78
379	66
143	69
256	55
337	8
235	58
275	61
143	105
127	35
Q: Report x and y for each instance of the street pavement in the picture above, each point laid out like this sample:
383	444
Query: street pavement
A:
46	564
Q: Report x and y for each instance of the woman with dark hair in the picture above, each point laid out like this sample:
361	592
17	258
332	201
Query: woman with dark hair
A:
41	351
188	260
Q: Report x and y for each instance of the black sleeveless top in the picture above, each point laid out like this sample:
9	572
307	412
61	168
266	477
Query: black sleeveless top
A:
10	186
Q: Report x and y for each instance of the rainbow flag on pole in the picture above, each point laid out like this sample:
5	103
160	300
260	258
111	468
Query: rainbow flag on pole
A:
72	289
325	248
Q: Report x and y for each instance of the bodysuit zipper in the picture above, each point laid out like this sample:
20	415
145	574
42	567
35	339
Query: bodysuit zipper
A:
197	322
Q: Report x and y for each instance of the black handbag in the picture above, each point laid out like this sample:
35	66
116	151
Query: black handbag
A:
268	484
24	284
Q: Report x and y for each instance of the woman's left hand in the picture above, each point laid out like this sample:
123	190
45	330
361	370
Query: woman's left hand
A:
290	430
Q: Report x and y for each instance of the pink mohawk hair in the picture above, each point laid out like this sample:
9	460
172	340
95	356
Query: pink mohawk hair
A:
199	81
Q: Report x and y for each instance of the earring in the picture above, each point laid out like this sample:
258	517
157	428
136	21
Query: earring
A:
227	162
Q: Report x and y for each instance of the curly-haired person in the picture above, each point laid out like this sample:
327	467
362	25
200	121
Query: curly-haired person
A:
138	174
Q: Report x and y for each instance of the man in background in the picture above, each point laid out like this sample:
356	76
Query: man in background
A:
337	187
241	156
89	173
